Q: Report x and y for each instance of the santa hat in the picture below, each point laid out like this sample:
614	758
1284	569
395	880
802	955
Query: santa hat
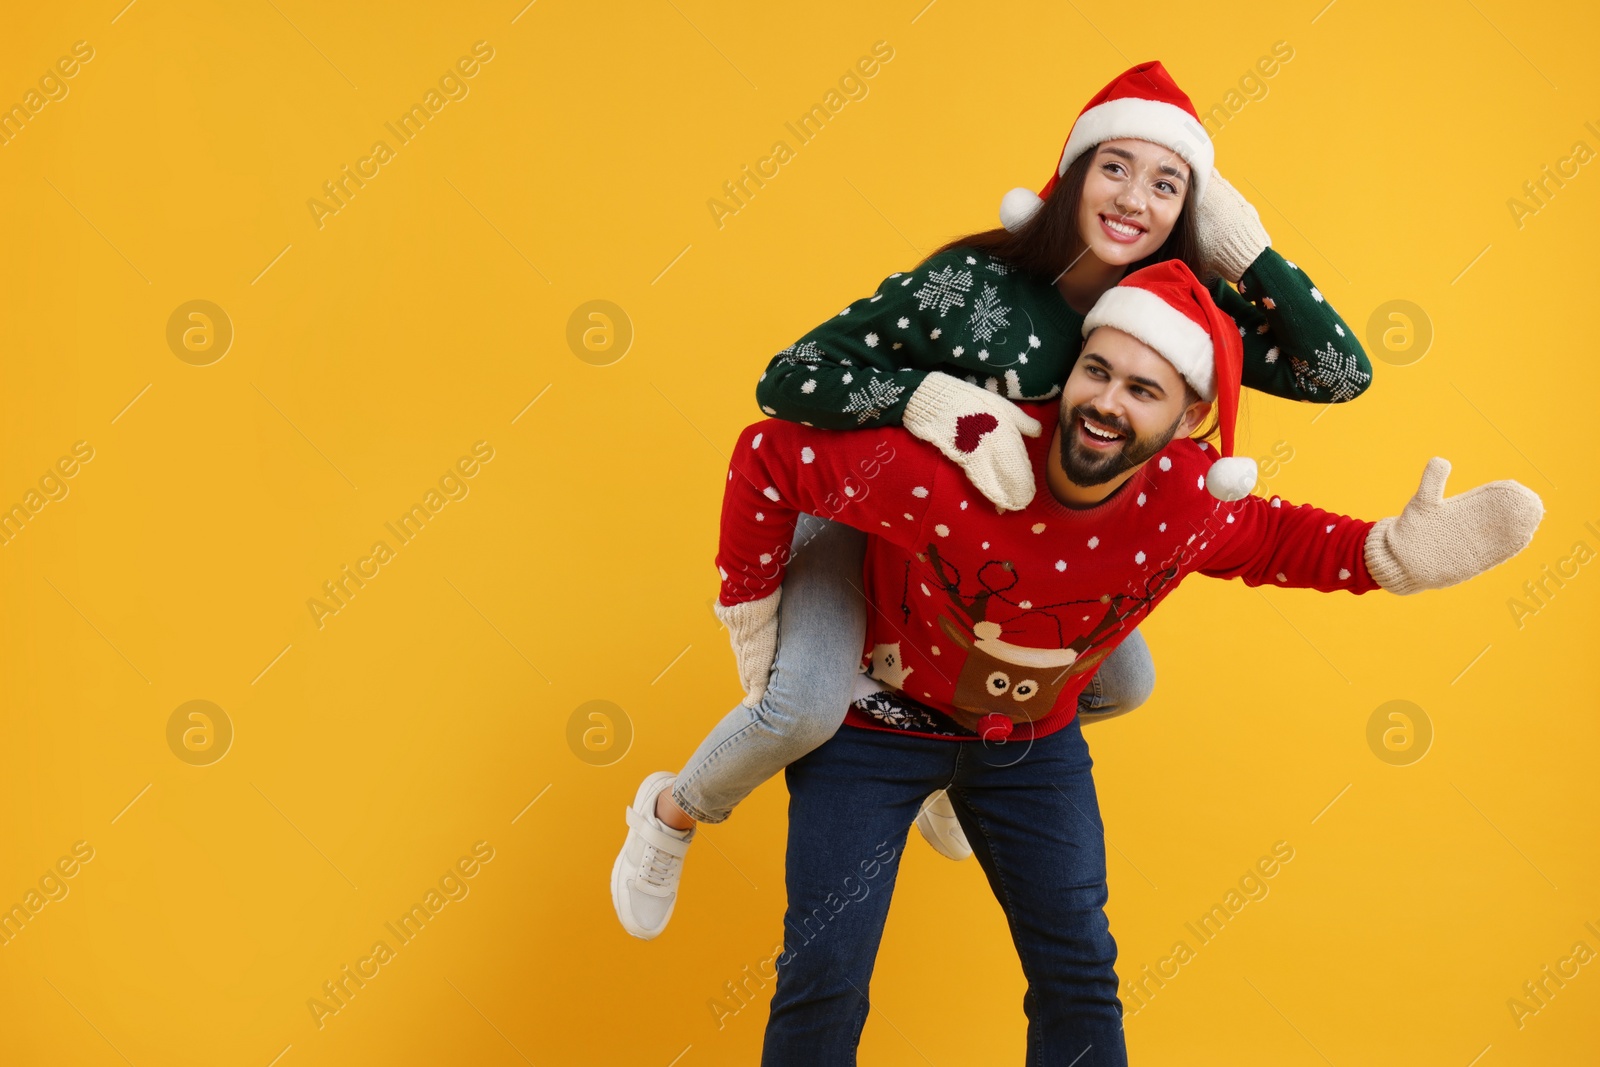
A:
1167	308
1142	102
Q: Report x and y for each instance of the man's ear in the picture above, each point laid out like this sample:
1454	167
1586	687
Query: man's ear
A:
1193	416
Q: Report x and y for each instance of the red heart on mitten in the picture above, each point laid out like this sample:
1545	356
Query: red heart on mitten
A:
971	428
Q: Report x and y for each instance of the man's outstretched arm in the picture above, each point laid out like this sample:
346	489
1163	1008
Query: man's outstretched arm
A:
1433	543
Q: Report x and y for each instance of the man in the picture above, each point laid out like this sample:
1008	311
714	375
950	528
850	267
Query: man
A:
985	626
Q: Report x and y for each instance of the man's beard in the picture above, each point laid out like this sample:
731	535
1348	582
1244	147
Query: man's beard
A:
1087	468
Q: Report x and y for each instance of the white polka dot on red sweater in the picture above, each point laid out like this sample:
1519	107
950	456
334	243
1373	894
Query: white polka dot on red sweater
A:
755	442
925	590
723	573
1328	528
1094	542
1038	527
1024	604
1280	577
1138	557
908	517
942	530
1343	574
761	517
1141	500
1200	482
934	649
1162	528
807	456
1061	564
849	490
1166	463
919	491
770	493
963	505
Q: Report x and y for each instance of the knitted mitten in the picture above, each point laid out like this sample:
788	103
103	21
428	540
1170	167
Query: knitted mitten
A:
753	629
1231	235
981	431
1436	542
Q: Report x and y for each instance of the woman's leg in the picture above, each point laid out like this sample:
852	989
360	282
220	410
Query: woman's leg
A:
821	626
851	803
821	623
1124	680
1034	823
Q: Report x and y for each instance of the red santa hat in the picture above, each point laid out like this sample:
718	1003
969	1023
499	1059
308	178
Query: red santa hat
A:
1142	102
1167	308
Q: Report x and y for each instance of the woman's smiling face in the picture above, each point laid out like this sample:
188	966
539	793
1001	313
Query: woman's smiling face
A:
1132	196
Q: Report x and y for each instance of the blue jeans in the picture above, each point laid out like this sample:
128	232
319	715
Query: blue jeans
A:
822	622
1029	811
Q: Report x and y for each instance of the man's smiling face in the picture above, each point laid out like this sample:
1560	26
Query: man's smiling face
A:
1122	403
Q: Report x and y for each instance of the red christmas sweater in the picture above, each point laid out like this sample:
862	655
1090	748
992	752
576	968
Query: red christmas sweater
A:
970	611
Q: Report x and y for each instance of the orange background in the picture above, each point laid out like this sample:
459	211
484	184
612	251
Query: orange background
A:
435	709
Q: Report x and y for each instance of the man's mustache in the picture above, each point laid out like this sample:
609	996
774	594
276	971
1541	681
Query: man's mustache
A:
1095	415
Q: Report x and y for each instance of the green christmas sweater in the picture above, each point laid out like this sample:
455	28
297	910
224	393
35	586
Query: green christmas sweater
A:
976	317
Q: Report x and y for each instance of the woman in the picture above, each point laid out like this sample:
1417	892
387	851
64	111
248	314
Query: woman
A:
988	319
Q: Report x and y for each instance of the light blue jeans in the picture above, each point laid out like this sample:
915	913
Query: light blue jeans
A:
822	623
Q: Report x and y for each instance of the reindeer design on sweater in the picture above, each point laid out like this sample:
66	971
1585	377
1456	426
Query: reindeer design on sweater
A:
1020	682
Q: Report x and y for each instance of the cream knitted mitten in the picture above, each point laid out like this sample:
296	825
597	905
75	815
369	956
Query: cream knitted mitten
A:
1435	542
753	629
1230	230
981	431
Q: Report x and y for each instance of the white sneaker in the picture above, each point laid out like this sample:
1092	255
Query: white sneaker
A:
644	880
940	827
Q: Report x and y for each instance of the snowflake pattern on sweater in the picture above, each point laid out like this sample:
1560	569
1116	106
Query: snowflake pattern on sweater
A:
972	611
989	316
943	289
960	311
1335	372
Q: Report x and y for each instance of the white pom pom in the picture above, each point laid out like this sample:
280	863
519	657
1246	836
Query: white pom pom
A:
1017	207
1231	478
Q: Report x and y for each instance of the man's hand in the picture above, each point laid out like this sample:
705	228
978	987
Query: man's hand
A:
1230	230
1436	542
981	431
753	629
